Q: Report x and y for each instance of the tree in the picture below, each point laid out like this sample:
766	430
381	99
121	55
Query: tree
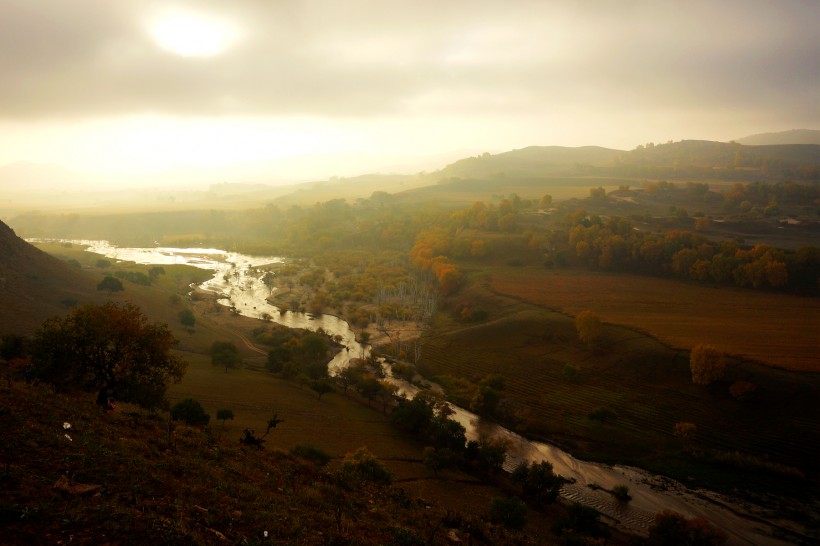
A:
510	512
187	318
446	433
413	415
364	466
111	284
485	401
707	364
277	358
589	327
348	377
369	387
225	353
190	412
438	459
223	415
686	432
110	348
538	481
597	194
580	520
321	386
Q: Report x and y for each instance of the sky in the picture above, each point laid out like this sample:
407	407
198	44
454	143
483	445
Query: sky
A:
141	87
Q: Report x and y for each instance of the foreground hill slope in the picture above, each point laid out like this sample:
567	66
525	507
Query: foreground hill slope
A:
73	473
34	285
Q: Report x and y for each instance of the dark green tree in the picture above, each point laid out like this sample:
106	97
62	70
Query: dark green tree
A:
412	415
538	481
321	386
580	521
509	512
112	349
187	318
190	412
225	354
223	415
111	284
277	358
438	459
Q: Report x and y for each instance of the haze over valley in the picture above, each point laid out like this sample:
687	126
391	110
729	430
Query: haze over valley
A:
435	273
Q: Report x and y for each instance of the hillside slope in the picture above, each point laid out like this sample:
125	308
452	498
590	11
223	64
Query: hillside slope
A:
34	285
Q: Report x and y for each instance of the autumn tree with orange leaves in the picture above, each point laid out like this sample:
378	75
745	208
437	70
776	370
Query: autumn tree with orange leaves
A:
707	364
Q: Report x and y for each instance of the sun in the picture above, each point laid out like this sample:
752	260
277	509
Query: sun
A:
190	34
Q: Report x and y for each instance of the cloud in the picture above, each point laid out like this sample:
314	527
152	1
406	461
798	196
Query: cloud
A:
364	59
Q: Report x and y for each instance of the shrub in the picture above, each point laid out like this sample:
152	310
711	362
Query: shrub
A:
311	453
509	512
602	415
571	374
250	439
190	412
671	528
621	492
363	465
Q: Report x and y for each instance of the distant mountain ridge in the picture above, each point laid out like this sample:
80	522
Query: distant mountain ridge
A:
686	158
794	136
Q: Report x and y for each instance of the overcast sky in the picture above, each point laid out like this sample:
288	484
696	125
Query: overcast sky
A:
130	86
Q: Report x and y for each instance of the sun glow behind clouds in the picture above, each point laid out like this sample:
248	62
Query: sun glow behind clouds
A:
190	34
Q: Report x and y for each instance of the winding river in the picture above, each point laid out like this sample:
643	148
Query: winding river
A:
239	285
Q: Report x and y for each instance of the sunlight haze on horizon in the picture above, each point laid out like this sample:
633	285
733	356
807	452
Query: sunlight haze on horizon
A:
308	90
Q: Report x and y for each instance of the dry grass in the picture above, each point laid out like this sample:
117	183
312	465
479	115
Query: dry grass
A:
110	479
778	329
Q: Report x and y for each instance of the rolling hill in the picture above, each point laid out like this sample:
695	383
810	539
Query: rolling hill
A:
795	136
